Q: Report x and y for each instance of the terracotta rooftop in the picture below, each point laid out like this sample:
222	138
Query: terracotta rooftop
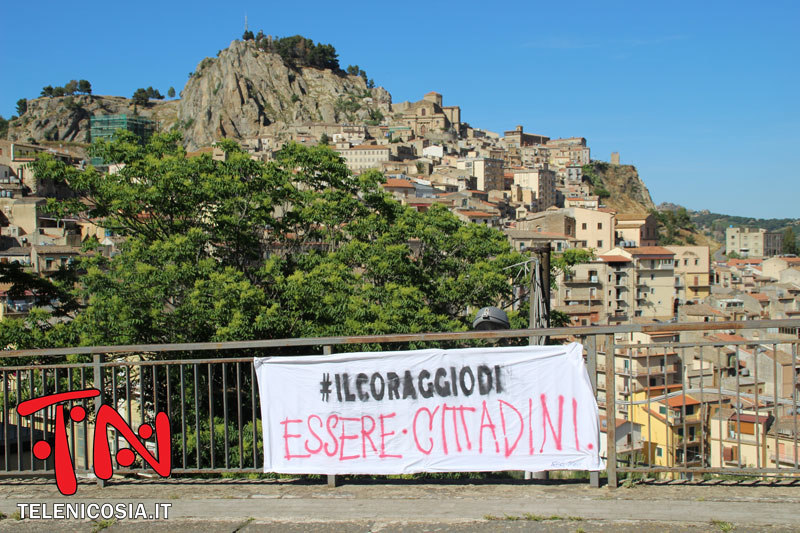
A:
398	183
651	251
614	259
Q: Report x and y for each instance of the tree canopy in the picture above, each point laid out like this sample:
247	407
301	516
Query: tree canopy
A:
241	249
299	51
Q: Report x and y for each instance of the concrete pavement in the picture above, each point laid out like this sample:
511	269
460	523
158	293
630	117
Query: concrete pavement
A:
514	505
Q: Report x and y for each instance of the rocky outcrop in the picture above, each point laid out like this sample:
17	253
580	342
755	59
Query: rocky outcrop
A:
245	91
66	118
627	193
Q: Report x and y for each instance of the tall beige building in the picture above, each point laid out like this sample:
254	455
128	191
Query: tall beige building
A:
753	242
543	184
488	172
692	273
593	227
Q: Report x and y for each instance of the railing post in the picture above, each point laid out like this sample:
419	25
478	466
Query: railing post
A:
327	350
611	413
591	364
97	360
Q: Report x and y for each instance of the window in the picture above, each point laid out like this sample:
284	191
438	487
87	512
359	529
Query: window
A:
696	262
599	244
685	262
583	226
599	225
662	410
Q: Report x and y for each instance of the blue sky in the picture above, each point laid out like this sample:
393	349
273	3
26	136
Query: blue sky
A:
700	96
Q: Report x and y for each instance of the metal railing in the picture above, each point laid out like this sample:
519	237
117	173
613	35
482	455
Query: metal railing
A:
213	409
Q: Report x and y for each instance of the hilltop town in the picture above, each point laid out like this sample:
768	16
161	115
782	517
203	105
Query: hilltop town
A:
642	266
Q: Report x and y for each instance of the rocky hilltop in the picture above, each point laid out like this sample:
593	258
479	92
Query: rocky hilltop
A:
66	118
241	93
623	189
245	90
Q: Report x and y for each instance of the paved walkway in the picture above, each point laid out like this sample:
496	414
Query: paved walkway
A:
239	505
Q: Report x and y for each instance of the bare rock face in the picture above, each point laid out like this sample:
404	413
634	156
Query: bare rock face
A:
244	92
66	118
628	192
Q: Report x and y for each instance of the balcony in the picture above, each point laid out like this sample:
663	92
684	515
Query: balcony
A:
582	280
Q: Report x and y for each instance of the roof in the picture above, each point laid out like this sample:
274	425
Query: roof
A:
16	250
632	216
368	147
745	417
677	401
48	249
651	251
728	337
614	259
398	183
701	310
432	93
533	234
760	296
476	213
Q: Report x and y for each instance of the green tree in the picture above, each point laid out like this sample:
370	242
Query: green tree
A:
154	94
248	36
789	242
22	106
140	97
3	127
240	249
71	87
84	87
171	92
47	91
324	139
59	91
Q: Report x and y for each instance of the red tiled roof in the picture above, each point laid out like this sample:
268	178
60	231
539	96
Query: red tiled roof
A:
744	417
398	183
614	259
651	251
677	401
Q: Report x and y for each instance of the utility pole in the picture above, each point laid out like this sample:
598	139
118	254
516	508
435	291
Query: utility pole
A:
539	308
539	296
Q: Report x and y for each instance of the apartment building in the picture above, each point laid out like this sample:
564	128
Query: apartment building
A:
594	228
488	172
543	184
692	273
753	242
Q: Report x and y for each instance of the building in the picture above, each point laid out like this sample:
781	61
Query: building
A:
517	138
522	240
692	273
18	179
365	156
637	229
429	115
106	126
488	172
543	184
594	228
550	221
752	242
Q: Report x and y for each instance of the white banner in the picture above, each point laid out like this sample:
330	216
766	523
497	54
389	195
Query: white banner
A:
478	409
